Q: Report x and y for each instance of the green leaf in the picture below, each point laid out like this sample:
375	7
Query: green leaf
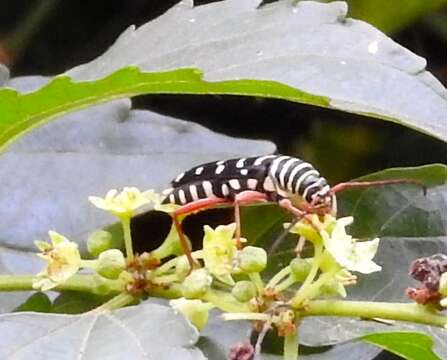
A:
402	210
312	47
71	302
38	302
23	112
131	333
408	345
312	58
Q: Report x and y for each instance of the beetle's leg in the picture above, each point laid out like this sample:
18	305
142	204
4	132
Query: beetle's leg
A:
192	207
356	184
244	197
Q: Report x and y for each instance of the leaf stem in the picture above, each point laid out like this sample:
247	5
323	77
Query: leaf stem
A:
369	310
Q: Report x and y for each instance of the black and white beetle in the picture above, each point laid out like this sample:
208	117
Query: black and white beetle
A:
291	182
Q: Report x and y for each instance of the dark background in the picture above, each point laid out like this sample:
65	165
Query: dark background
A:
47	37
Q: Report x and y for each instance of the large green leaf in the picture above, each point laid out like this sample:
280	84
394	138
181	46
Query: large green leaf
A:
148	331
309	53
23	112
411	346
312	47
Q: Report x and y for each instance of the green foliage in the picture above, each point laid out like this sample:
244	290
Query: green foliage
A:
392	16
23	112
410	346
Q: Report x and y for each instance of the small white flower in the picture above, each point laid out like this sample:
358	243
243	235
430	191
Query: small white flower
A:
349	253
63	260
126	202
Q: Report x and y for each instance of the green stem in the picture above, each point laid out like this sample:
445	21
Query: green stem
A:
88	283
125	222
117	302
168	265
370	310
89	264
285	284
291	345
313	290
278	277
225	301
257	280
301	293
174	291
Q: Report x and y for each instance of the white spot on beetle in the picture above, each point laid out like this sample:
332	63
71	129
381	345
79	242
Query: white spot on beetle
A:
219	169
244	172
182	197
208	188
240	163
252	183
234	183
199	170
193	192
179	177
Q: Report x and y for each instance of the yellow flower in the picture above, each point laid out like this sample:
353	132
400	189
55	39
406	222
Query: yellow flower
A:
63	260
124	204
219	251
347	252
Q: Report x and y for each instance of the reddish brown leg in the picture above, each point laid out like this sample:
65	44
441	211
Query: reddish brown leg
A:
245	197
356	184
198	205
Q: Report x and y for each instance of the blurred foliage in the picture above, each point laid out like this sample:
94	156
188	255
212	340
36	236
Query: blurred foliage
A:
393	15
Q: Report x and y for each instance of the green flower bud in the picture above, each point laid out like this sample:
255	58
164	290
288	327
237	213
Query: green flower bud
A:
196	311
182	268
300	269
99	241
111	263
252	259
196	284
244	291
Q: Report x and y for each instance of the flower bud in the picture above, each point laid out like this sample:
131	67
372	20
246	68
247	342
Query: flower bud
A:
111	263
244	291
196	284
196	311
99	241
252	259
300	269
182	268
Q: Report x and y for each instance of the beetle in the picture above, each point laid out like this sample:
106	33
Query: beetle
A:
289	181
